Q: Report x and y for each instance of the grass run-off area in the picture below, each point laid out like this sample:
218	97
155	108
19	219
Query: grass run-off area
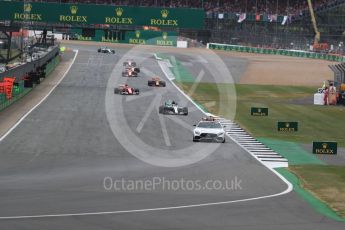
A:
327	183
285	103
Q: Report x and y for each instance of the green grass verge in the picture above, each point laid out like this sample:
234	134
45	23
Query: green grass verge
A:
325	182
287	103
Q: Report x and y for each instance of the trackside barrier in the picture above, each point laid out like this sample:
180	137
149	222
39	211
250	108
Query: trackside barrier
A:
14	88
18	91
292	53
51	65
6	87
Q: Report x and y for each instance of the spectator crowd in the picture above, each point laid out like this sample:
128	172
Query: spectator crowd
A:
282	7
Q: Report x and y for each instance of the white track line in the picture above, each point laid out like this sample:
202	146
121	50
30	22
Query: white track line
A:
142	210
41	101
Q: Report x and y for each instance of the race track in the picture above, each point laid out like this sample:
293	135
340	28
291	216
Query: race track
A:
54	164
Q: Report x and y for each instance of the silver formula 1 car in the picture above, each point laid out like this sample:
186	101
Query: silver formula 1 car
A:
106	50
171	107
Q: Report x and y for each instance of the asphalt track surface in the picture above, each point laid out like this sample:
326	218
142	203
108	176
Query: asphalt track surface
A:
55	162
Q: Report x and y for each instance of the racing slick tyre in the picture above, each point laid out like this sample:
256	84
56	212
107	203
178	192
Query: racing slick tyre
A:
163	83
161	109
185	111
116	91
137	70
136	91
149	83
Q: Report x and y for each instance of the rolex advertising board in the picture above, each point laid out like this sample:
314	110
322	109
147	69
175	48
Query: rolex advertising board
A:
287	126
138	37
326	147
102	14
145	37
259	112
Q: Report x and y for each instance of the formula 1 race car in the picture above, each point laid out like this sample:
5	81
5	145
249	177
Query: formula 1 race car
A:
156	81
126	90
130	72
106	50
210	118
130	63
171	107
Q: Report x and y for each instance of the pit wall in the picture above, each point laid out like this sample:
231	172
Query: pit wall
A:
292	53
18	89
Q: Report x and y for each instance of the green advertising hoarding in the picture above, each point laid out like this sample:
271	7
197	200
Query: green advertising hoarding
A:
284	126
102	14
326	147
259	112
145	37
139	37
293	53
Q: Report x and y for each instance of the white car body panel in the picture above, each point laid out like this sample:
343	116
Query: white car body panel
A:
175	108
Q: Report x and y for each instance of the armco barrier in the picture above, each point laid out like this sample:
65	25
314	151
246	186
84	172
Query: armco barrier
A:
292	53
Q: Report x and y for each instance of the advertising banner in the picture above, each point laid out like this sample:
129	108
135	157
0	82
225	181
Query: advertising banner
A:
102	14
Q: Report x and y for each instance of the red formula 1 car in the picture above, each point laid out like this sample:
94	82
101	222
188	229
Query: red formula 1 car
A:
129	72
126	90
156	81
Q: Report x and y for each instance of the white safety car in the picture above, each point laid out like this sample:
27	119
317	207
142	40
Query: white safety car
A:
209	131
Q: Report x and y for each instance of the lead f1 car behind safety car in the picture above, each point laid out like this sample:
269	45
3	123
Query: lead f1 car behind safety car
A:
126	90
106	50
171	107
156	81
209	131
